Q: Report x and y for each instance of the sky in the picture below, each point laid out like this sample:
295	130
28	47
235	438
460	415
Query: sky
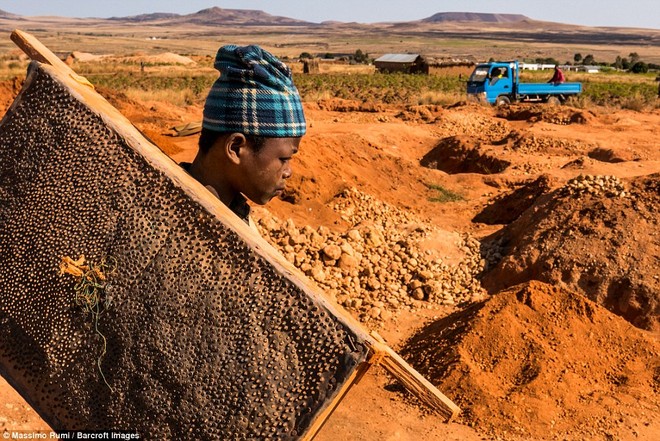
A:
630	13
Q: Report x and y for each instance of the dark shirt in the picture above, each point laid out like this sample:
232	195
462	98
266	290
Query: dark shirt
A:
238	205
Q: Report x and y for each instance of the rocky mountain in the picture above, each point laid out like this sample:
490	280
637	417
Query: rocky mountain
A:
474	16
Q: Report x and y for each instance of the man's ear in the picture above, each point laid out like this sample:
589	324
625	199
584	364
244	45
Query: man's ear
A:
234	145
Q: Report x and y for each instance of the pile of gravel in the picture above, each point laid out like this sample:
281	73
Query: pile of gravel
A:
597	185
376	267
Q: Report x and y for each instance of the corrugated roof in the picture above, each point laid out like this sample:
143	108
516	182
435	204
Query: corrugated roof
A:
398	58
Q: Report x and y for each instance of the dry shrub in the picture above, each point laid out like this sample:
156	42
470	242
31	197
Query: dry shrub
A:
179	98
581	101
438	98
636	102
318	95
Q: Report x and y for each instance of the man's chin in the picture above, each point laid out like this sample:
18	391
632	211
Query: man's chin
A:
264	200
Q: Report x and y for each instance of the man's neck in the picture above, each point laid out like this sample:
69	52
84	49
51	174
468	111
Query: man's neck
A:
198	170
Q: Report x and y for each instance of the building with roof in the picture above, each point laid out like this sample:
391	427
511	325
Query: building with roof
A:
407	63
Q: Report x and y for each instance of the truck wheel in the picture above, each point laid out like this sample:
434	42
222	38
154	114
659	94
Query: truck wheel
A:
502	101
554	101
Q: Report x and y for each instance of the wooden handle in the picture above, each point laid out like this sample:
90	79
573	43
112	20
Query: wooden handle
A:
38	52
412	380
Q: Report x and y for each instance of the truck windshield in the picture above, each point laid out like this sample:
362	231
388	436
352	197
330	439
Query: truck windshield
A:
479	74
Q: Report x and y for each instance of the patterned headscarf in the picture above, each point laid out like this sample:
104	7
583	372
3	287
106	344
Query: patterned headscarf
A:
254	95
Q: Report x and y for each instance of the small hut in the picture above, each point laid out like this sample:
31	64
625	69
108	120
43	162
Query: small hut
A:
407	63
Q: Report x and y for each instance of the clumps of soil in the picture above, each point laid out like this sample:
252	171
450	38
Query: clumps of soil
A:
386	260
527	143
508	207
545	113
461	154
597	235
474	122
342	105
542	362
421	113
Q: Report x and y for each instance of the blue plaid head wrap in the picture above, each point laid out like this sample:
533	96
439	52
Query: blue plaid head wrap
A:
254	95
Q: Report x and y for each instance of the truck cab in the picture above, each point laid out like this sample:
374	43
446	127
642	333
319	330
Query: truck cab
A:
499	83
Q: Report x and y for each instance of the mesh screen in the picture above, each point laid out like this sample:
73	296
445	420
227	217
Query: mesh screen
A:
205	339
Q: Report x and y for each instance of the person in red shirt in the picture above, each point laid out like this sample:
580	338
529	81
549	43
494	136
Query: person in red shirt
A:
558	76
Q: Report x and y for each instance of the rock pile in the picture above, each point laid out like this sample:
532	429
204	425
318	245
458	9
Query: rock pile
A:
597	185
377	267
527	143
553	115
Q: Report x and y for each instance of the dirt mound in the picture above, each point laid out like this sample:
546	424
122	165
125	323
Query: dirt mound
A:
86	57
421	113
462	154
473	121
160	59
8	91
596	235
550	114
510	206
540	362
528	143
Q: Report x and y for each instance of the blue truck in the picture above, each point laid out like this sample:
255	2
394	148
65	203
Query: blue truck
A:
499	83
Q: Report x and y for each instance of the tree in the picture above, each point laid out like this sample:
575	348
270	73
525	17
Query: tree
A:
588	60
306	55
640	67
577	58
618	63
634	57
361	57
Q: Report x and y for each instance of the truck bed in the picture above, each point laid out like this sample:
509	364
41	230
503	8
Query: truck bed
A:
549	88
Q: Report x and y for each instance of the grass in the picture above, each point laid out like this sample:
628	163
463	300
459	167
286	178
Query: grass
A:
181	85
610	89
443	195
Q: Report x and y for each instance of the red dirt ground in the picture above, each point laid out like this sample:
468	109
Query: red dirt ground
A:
535	362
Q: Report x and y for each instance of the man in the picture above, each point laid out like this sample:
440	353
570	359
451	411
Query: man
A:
252	126
558	76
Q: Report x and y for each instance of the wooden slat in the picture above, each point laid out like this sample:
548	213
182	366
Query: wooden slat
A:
37	51
316	426
413	381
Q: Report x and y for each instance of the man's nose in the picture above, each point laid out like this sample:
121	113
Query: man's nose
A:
287	172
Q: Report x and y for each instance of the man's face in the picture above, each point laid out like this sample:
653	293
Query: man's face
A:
266	170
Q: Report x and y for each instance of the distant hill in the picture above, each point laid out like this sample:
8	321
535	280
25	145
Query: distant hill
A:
5	14
474	16
216	16
157	16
